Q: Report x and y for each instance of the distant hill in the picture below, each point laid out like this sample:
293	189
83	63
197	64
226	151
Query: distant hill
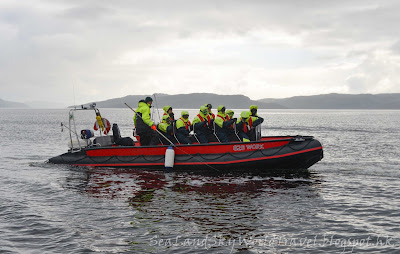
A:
188	101
45	104
11	104
340	101
323	101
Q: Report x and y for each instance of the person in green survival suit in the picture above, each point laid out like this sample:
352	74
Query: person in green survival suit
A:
145	128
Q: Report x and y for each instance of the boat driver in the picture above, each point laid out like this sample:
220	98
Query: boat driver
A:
145	128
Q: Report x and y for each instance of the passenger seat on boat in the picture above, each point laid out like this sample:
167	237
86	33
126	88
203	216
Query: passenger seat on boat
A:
233	136
174	130
118	140
215	133
195	135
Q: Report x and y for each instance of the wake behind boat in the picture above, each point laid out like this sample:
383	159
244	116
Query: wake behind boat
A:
267	153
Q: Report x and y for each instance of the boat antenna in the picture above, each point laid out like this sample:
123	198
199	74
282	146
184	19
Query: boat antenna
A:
172	144
158	113
73	91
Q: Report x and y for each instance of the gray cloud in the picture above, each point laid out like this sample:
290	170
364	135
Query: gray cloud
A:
109	49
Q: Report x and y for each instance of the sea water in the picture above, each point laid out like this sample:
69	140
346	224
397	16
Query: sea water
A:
346	203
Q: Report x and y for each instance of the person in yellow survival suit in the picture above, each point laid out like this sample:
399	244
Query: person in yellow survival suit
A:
209	107
222	124
168	111
253	121
166	129
242	126
145	128
200	125
231	132
183	127
245	126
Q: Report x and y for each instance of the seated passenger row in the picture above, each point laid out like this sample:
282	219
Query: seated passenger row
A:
206	127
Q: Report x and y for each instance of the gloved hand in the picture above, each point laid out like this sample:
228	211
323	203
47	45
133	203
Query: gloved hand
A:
234	119
153	127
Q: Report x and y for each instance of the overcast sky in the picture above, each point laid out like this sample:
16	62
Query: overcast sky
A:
101	49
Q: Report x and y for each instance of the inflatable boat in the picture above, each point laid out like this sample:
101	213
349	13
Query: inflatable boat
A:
293	152
267	153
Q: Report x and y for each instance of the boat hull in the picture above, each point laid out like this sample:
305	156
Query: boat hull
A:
269	153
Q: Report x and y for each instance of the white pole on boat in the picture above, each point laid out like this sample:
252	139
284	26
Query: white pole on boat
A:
158	113
72	117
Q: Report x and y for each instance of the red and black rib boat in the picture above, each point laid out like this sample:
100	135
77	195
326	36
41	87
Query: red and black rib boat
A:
278	152
293	152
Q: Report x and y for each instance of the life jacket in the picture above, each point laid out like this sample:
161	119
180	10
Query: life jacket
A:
247	127
208	119
187	124
172	119
212	114
223	118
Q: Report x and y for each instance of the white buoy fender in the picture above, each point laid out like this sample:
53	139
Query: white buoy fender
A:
169	157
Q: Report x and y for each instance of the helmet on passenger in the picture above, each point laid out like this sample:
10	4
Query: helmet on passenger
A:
221	108
185	114
245	115
253	109
166	108
230	113
204	110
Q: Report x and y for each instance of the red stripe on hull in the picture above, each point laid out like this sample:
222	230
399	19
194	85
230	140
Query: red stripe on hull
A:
181	150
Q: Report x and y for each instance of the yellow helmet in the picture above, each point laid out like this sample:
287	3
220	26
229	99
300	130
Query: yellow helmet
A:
221	108
204	110
245	114
229	112
185	114
166	108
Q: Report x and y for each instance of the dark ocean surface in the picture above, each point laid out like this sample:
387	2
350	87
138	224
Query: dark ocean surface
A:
347	203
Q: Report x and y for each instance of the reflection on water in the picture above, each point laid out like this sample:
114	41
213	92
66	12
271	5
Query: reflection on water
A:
228	206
